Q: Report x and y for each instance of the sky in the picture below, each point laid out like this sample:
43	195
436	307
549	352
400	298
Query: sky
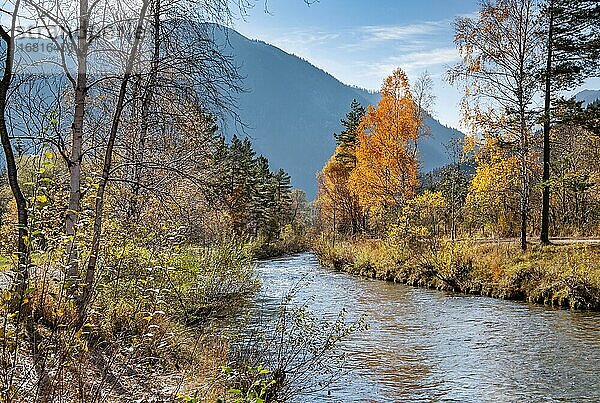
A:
361	42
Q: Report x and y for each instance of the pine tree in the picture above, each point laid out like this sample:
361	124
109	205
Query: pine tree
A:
282	197
238	195
572	54
263	202
255	199
346	140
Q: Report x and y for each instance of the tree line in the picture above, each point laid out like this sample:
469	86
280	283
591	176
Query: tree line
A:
529	164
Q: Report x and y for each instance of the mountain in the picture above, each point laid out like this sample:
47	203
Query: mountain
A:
588	96
292	108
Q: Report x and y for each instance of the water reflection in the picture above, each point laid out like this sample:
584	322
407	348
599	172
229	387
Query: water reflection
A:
424	345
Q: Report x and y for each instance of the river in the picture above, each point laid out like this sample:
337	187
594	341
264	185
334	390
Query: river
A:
425	345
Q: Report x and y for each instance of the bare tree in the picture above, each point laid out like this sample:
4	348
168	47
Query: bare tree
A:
422	91
500	49
8	35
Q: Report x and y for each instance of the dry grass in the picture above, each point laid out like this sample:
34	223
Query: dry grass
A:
565	276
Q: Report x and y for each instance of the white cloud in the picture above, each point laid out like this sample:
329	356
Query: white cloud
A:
415	62
381	33
301	38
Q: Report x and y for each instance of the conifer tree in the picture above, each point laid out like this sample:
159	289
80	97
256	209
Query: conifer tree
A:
572	54
346	139
255	199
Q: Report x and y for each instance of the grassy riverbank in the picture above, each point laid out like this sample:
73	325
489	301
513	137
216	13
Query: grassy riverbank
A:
561	276
153	331
284	246
156	323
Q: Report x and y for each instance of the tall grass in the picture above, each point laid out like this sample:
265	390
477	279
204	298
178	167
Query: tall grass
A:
563	276
145	335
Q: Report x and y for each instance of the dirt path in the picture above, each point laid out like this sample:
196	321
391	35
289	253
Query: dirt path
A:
554	241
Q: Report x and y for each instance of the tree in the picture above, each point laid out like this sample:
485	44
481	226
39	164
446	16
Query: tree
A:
493	197
575	169
572	54
8	36
337	203
386	166
453	182
107	165
256	200
424	101
336	174
424	214
346	140
500	49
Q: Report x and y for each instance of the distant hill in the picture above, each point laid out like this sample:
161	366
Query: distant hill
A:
588	96
292	109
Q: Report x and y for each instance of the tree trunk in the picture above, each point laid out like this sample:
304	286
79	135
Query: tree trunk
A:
544	234
76	156
99	208
524	193
21	279
146	103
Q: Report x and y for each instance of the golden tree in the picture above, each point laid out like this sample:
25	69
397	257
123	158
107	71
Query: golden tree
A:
499	49
386	165
337	204
493	198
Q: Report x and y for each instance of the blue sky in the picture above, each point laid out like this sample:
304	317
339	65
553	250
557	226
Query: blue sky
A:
361	41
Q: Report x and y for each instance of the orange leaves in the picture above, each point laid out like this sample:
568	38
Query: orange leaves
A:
383	172
386	168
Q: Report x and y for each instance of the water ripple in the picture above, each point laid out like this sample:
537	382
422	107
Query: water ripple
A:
426	346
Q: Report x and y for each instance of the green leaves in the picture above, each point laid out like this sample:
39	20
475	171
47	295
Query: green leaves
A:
252	384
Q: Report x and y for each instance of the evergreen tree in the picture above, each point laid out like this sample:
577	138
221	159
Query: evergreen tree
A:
238	197
572	54
263	201
256	199
282	195
346	140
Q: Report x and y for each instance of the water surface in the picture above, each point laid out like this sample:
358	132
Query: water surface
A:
426	345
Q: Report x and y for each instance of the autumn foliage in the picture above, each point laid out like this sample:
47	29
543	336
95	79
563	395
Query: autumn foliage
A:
383	175
386	168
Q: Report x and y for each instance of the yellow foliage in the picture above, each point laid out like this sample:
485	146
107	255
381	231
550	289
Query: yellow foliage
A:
494	192
336	201
386	165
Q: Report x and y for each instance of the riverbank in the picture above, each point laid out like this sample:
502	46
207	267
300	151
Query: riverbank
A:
262	250
154	332
566	276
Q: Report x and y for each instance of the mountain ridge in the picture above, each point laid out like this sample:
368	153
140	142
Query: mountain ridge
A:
588	96
292	108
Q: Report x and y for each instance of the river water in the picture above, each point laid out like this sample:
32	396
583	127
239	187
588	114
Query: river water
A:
425	345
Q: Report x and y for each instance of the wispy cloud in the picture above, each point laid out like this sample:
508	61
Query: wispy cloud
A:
374	33
403	38
360	38
372	52
415	62
303	38
432	57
